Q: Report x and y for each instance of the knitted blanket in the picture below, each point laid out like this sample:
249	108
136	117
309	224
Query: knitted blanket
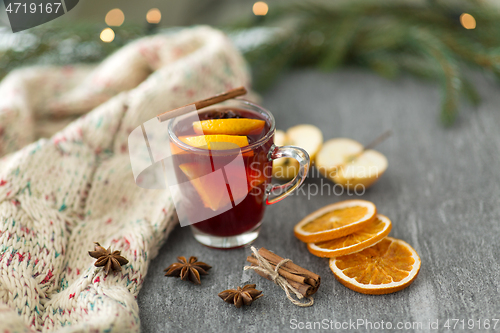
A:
59	195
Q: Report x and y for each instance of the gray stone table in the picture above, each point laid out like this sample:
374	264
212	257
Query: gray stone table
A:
441	191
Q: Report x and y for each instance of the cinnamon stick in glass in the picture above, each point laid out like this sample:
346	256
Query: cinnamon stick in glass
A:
202	104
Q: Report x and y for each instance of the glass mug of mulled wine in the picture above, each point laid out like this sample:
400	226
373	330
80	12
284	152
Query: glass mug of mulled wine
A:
221	158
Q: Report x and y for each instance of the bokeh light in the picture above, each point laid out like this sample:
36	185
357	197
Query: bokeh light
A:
114	18
468	21
260	8
107	35
153	16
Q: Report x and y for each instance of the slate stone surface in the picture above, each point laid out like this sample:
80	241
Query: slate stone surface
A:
441	191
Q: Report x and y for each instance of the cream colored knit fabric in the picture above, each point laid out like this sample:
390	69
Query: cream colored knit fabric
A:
59	195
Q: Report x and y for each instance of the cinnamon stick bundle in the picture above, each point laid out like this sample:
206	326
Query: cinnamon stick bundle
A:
306	282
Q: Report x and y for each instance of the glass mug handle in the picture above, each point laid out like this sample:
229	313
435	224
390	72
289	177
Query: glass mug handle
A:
284	190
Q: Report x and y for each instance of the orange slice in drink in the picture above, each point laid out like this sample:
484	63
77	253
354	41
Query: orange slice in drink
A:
335	220
239	126
212	194
212	187
387	267
215	142
355	242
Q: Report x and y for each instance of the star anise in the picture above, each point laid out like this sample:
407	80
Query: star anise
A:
222	113
240	296
112	261
188	270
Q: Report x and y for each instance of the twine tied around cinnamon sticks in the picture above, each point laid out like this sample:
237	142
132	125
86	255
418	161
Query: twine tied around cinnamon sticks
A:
289	276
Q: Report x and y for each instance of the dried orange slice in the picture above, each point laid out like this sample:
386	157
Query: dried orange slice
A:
355	242
239	126
335	220
387	267
215	142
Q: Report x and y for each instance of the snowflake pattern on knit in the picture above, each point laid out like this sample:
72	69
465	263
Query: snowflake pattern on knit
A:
59	195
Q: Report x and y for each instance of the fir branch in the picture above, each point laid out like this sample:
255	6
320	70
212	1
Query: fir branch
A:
389	38
64	44
427	41
450	78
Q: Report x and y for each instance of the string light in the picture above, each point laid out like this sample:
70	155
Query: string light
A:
153	16
260	8
468	21
114	18
107	35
